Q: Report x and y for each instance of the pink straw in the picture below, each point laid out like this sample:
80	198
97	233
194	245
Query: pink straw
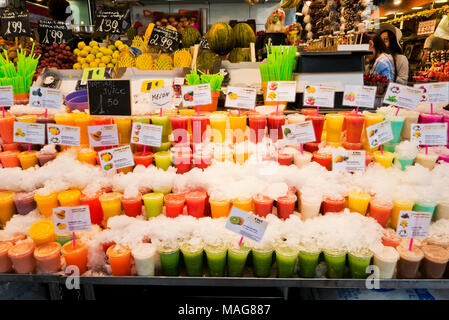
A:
239	112
410	247
65	148
144	149
381	150
427	149
118	170
357	110
45	112
160	112
317	110
3	111
240	242
277	108
300	147
74	239
397	111
29	147
431	108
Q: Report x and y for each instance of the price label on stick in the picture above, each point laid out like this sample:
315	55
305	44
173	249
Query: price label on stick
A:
433	134
434	92
146	134
204	43
71	219
116	158
6	96
348	160
93	74
379	133
52	31
242	98
413	224
33	133
45	98
149	85
165	39
402	96
321	95
109	97
161	98
15	24
359	96
196	95
64	135
246	224
297	133
103	136
281	91
108	21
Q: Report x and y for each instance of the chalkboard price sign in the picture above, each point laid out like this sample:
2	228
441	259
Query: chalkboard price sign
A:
52	31
204	44
109	97
15	24
165	39
108	21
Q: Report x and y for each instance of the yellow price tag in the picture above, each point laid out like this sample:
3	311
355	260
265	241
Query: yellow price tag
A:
148	85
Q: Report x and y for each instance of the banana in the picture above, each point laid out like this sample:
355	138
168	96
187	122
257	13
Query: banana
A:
286	4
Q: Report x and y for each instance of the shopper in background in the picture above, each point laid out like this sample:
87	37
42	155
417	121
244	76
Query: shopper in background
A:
380	62
58	9
391	36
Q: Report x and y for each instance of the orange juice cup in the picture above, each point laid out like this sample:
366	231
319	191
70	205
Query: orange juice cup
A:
75	256
7	207
48	257
46	203
82	120
28	159
69	198
5	261
66	119
30	118
21	256
7	128
9	159
42	232
219	208
120	260
88	155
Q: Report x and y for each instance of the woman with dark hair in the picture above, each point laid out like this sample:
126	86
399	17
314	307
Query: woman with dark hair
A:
391	37
58	9
380	62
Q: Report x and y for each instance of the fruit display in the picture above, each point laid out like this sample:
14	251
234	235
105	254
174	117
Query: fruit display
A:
221	38
381	82
182	59
95	55
243	35
239	55
439	71
190	36
206	60
54	56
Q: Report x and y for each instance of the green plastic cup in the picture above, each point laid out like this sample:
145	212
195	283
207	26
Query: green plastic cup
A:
169	258
153	203
162	159
193	260
335	262
262	260
390	147
236	260
308	260
403	163
358	262
286	257
426	206
397	123
216	260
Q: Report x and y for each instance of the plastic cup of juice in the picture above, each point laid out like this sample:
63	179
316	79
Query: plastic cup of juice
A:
238	126
286	206
426	206
21	256
144	257
354	126
7	208
218	126
219	208
385	159
397	123
162	159
243	203
216	259
403	163
301	159
46	203
335	262
263	205
27	159
237	257
390	239
434	262
358	262
390	147
174	204
196	203
308	260
5	261
386	260
120	260
87	155
163	121
310	206
380	210
169	257
398	206
95	209
144	159
7	128
286	257
427	160
10	159
334	126
409	262
111	204
42	231
132	206
48	257
262	260
358	201
331	204
124	127
153	203
323	159
193	259
69	198
75	255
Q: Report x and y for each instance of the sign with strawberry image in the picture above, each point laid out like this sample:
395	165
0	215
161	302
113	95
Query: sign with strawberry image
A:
359	96
281	91
196	95
434	92
318	95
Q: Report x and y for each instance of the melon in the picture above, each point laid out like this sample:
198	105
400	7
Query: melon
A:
239	55
205	61
243	35
190	36
220	38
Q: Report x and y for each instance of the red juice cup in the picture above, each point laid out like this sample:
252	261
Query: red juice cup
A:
368	158
390	239
144	159
284	159
7	128
182	159
380	211
13	146
5	261
202	160
430	118
180	125
311	146
263	205
132	206
354	126
352	145
345	112
199	126
174	204
95	209
196	203
333	205
99	120
324	159
275	123
308	111
257	124
10	159
318	125
286	205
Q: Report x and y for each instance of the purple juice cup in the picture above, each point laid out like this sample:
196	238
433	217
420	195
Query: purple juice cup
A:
24	202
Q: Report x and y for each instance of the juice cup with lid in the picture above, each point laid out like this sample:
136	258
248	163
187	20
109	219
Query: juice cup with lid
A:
216	259
218	126
358	263
174	204
162	160
358	201
27	159
263	205
286	256
380	210
46	203
193	259
145	159
386	259
153	203
398	206
144	255
7	128
409	262
111	204
10	159
21	256
5	261
335	261
132	205
24	202
257	123
163	121
390	239
48	257
75	255
237	256
243	203
196	203
69	198
308	260
7	208
120	260
95	209
310	205
286	205
434	262
275	123
42	231
169	257
87	155
65	119
333	204
219	207
385	158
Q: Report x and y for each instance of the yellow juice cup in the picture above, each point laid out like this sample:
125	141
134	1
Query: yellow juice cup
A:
398	206
82	120
385	159
218	126
69	198
358	201
65	119
42	232
334	125
219	208
126	170
111	204
7	207
238	126
28	159
370	119
87	155
124	127
243	203
46	203
30	118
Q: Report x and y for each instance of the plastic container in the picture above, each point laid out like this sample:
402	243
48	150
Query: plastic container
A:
216	259
174	204
144	257
120	260
213	105
196	203
358	263
193	260
335	262
21	256
263	205
5	261
169	257
262	260
48	257
42	231
153	203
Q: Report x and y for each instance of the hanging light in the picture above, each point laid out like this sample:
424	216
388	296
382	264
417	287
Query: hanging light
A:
308	3
416	8
397	2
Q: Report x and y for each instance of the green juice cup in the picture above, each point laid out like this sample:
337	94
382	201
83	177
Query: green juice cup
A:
286	257
193	260
262	260
153	202
335	262
390	147
397	123
169	258
163	160
163	121
426	206
403	163
216	260
308	260
358	262
237	260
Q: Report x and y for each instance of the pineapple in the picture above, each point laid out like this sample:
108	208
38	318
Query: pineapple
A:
127	60
140	44
144	62
164	62
182	59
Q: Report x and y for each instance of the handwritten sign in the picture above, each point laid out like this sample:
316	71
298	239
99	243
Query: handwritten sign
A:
281	91
240	97
379	133
65	135
45	98
109	97
6	96
108	21
431	134
146	134
103	136
164	38
33	133
402	96
413	224
246	224
15	24
426	27
348	160
196	95
161	98
296	133
116	158
52	31
71	219
316	94
359	96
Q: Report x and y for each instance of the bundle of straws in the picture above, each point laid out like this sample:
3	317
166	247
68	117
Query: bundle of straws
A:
214	80
281	62
19	77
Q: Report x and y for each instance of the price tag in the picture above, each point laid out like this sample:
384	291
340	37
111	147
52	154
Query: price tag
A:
6	96
178	81
281	91
149	85
348	160
52	31
116	158
108	21
103	136
431	134
65	135
426	27
242	98
161	98
319	95
413	224
71	219
146	134
204	43
93	74
297	133
402	96
33	133
196	95
246	224
45	98
379	133
15	24
359	96
434	92
165	39
109	97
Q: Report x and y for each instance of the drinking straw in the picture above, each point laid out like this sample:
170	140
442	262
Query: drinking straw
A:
3	111
239	112
397	111
431	108
427	150
410	247
240	242
74	239
277	108
357	110
381	150
300	147
160	112
144	149
45	112
317	110
29	147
